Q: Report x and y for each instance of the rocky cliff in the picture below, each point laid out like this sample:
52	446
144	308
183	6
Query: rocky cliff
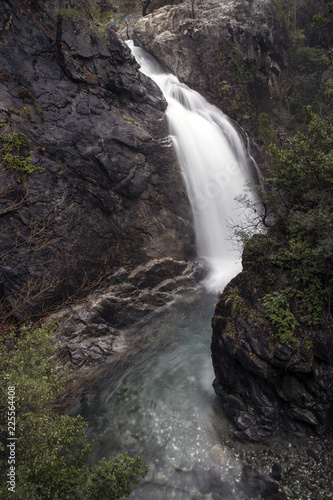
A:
90	181
270	381
231	52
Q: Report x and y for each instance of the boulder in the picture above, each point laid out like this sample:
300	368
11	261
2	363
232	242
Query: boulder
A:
102	327
268	385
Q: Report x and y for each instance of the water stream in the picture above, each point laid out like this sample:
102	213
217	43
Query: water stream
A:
160	404
214	164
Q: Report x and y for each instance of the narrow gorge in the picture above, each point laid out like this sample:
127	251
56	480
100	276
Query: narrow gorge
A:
123	185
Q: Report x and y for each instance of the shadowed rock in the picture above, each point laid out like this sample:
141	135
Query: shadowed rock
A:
111	193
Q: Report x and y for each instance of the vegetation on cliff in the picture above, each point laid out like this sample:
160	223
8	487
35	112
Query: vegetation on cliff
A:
308	78
272	342
297	186
272	345
295	281
297	212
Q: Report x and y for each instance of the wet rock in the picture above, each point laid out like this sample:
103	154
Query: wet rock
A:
254	484
160	477
90	333
152	274
276	472
218	456
203	49
265	384
112	193
298	468
209	481
287	491
311	453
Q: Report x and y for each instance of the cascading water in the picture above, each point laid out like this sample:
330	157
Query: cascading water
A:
160	403
214	164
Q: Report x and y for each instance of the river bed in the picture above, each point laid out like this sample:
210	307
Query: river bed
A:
160	403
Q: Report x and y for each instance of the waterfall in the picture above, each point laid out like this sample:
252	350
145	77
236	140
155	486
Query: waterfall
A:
214	164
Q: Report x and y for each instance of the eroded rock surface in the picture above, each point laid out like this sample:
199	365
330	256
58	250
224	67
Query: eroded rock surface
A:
268	384
92	332
111	193
232	52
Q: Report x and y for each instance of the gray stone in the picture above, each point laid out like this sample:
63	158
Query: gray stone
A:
267	386
112	193
202	50
95	331
254	484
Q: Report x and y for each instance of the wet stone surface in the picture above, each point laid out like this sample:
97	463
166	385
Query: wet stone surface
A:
305	465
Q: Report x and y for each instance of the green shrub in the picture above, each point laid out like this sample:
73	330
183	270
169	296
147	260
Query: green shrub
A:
130	120
277	309
51	448
299	241
15	154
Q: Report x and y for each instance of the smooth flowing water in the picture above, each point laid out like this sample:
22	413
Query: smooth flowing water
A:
214	164
160	403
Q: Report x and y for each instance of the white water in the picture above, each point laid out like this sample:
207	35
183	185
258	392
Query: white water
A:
214	164
160	403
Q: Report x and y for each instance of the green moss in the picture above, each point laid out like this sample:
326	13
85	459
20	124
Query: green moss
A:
15	154
131	120
307	342
258	319
26	112
27	96
69	13
160	200
236	302
231	330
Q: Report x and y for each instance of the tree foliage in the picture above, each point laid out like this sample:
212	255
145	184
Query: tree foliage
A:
308	78
52	448
299	192
295	208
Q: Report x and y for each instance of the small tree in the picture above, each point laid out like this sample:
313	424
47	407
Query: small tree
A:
52	448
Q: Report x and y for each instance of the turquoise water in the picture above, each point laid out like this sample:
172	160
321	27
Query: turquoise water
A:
160	404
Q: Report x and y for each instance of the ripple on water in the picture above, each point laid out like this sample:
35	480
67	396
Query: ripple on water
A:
163	407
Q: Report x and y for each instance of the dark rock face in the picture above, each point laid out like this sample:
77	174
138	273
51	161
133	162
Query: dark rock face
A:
98	330
112	193
267	385
231	52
